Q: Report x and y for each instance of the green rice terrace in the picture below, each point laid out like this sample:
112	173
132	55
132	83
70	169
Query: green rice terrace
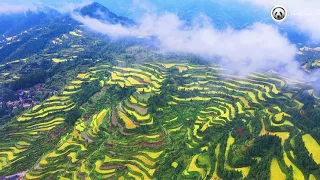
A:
167	121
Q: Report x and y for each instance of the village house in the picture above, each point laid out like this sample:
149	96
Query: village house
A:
39	86
26	105
13	103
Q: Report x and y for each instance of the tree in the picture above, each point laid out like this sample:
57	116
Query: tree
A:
72	116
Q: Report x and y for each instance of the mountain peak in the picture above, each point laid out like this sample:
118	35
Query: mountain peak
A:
47	10
97	5
98	11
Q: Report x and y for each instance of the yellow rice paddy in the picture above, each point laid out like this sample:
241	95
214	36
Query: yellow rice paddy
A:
56	60
128	122
194	168
276	173
312	146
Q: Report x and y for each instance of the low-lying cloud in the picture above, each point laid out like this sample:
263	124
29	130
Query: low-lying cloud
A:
112	30
259	47
68	7
6	8
61	6
302	14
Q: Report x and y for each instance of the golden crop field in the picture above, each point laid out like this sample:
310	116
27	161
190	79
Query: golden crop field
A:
128	122
276	172
312	146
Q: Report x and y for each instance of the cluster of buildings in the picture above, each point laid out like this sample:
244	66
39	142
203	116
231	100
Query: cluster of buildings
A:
27	98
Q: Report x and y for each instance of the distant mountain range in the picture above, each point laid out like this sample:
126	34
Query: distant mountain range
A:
24	34
13	24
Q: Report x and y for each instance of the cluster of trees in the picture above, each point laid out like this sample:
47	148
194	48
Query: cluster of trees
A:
120	93
237	156
88	90
197	60
264	145
34	73
33	46
72	116
237	160
186	94
34	78
7	94
315	132
4	114
302	156
7	50
173	153
158	101
222	172
261	170
307	119
30	45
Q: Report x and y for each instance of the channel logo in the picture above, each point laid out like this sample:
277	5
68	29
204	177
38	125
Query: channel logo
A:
278	13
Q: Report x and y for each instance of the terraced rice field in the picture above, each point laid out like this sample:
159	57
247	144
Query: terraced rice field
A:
56	60
75	33
191	136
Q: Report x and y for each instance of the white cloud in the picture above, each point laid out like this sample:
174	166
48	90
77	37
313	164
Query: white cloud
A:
18	6
6	8
68	7
145	5
111	30
258	48
302	14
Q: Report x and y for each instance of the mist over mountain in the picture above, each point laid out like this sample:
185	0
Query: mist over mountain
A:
173	33
12	24
35	29
99	12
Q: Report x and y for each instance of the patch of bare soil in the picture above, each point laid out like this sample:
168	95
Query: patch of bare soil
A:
116	123
85	136
52	134
140	110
